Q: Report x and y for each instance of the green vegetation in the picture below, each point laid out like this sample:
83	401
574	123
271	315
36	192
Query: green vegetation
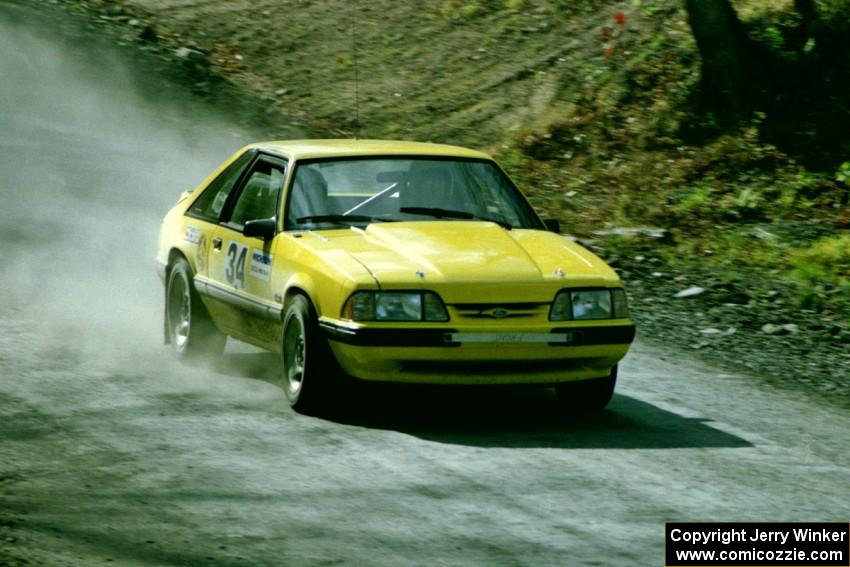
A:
823	269
598	109
761	192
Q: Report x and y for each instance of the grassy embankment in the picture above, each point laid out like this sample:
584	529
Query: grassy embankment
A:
593	106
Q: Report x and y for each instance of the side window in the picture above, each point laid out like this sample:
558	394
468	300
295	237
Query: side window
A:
209	205
259	196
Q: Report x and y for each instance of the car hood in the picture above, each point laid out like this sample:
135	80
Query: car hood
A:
441	254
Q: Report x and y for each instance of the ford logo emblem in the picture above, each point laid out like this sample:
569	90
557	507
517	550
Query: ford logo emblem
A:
496	313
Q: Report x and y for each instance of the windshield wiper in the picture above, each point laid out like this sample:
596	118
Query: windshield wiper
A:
340	219
439	213
377	195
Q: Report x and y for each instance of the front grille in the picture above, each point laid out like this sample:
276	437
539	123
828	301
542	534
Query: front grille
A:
500	310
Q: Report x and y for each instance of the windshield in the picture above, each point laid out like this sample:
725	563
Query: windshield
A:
357	191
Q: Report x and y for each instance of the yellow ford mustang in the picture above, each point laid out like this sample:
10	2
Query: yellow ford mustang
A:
388	261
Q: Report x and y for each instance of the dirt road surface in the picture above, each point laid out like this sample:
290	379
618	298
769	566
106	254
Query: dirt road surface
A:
111	453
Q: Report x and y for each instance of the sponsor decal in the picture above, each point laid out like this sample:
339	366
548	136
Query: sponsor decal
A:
192	235
261	265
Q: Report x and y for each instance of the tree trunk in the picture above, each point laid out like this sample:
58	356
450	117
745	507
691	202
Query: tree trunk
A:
727	72
808	14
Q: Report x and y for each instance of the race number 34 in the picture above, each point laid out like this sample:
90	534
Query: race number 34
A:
234	269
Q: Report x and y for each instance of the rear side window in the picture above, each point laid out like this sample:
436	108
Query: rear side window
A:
209	205
259	196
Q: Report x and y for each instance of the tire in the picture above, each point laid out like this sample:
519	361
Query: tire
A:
311	379
191	331
587	396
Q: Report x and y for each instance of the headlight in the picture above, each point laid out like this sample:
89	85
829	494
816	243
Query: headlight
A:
589	304
561	308
394	306
621	304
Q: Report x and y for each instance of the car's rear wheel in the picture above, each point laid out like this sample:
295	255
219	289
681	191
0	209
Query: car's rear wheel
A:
587	395
190	328
310	376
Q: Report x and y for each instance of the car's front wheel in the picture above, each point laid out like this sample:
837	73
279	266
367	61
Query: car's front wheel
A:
587	395
190	329
309	373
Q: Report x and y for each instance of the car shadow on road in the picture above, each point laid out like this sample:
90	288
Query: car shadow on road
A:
530	418
503	417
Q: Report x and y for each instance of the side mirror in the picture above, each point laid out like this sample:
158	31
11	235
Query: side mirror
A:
260	228
552	225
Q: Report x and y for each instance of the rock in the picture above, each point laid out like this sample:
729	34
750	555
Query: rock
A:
692	291
632	232
736	297
148	33
202	87
762	234
784	329
711	331
191	55
134	23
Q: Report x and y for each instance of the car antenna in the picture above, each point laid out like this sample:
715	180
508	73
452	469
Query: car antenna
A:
356	75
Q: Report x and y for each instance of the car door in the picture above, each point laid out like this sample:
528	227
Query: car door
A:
204	214
240	267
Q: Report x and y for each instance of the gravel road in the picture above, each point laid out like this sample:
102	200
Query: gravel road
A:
113	453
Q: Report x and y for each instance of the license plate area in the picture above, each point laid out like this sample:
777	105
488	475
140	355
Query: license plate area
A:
510	338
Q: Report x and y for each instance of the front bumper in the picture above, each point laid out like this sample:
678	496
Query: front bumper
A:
468	356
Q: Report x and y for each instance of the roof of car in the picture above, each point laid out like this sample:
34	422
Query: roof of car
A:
309	149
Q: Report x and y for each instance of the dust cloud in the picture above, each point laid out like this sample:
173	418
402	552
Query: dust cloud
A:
95	148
